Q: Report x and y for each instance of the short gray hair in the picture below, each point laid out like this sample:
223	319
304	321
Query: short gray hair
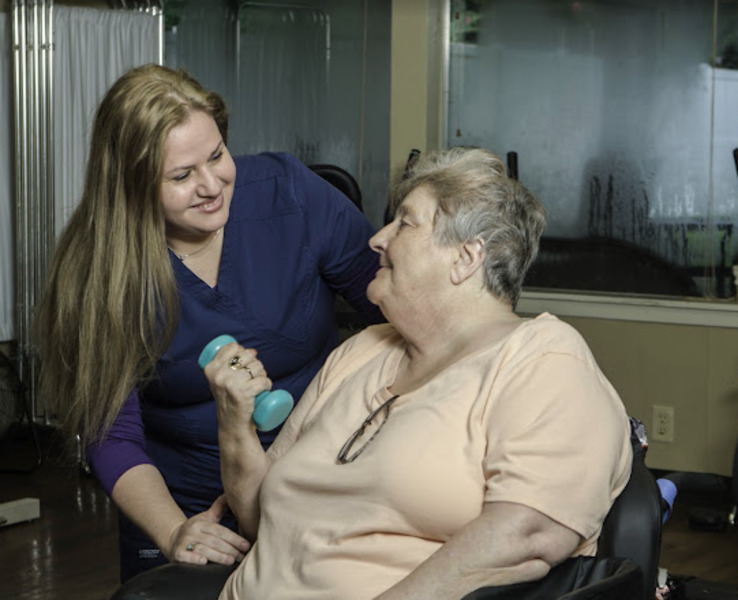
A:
477	200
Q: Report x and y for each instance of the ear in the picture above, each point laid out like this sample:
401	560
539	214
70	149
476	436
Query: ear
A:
468	262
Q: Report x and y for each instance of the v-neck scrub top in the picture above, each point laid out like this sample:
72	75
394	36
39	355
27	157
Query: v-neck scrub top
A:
292	241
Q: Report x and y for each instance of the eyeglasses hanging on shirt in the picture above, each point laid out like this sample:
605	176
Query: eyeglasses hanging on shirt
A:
371	426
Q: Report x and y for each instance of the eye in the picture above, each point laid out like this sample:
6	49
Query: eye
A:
403	223
181	177
217	154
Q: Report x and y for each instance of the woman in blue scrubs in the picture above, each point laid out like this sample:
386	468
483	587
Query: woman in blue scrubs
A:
173	243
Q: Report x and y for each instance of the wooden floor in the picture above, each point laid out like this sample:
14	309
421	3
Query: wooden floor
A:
70	553
712	556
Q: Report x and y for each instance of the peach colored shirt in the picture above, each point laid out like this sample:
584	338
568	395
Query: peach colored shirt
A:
530	420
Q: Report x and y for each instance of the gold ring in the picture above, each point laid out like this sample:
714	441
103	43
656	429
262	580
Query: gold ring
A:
191	547
236	363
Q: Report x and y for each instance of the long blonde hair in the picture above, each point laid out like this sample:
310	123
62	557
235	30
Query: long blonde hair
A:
110	306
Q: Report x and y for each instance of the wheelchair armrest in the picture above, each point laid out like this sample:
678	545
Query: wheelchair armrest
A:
176	581
632	528
579	578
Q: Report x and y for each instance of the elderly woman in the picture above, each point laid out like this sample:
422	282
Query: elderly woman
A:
458	446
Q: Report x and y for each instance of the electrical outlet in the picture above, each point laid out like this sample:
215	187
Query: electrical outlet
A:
663	424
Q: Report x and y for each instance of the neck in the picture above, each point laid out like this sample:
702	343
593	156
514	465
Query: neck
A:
196	249
456	333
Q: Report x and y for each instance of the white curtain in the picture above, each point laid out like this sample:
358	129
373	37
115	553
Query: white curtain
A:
93	48
7	171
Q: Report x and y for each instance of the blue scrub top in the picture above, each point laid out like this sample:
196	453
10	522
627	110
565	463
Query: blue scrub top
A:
292	241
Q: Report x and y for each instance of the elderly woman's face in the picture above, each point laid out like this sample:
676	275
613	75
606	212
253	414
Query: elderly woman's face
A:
197	178
412	264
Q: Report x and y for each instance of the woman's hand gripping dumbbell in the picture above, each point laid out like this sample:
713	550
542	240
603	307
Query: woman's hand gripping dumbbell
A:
270	408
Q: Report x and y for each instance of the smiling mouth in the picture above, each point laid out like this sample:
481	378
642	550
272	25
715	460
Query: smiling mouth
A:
210	204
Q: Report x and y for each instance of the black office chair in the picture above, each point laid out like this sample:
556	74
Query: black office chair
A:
625	567
341	179
632	528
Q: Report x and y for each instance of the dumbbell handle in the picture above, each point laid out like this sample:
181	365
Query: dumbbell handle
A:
270	408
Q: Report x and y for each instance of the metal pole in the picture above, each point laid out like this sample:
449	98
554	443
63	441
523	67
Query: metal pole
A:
159	13
34	201
34	228
44	216
20	84
50	224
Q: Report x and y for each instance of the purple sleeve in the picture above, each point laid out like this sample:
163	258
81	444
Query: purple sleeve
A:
122	448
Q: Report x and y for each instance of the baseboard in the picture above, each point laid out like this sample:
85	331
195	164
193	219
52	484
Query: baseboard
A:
19	511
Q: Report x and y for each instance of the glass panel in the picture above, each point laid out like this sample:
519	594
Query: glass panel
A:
622	127
284	66
309	77
202	37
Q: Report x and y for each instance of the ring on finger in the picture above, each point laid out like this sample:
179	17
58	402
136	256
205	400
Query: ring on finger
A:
191	547
236	363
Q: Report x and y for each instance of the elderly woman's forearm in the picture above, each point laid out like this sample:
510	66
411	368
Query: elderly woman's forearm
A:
243	465
508	543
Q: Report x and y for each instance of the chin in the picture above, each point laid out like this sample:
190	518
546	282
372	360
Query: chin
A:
371	293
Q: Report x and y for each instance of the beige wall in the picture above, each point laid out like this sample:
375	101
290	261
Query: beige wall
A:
416	78
694	369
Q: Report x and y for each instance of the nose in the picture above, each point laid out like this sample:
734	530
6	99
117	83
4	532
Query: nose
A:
209	184
378	242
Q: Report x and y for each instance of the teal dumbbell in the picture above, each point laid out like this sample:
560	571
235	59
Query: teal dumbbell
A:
270	408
